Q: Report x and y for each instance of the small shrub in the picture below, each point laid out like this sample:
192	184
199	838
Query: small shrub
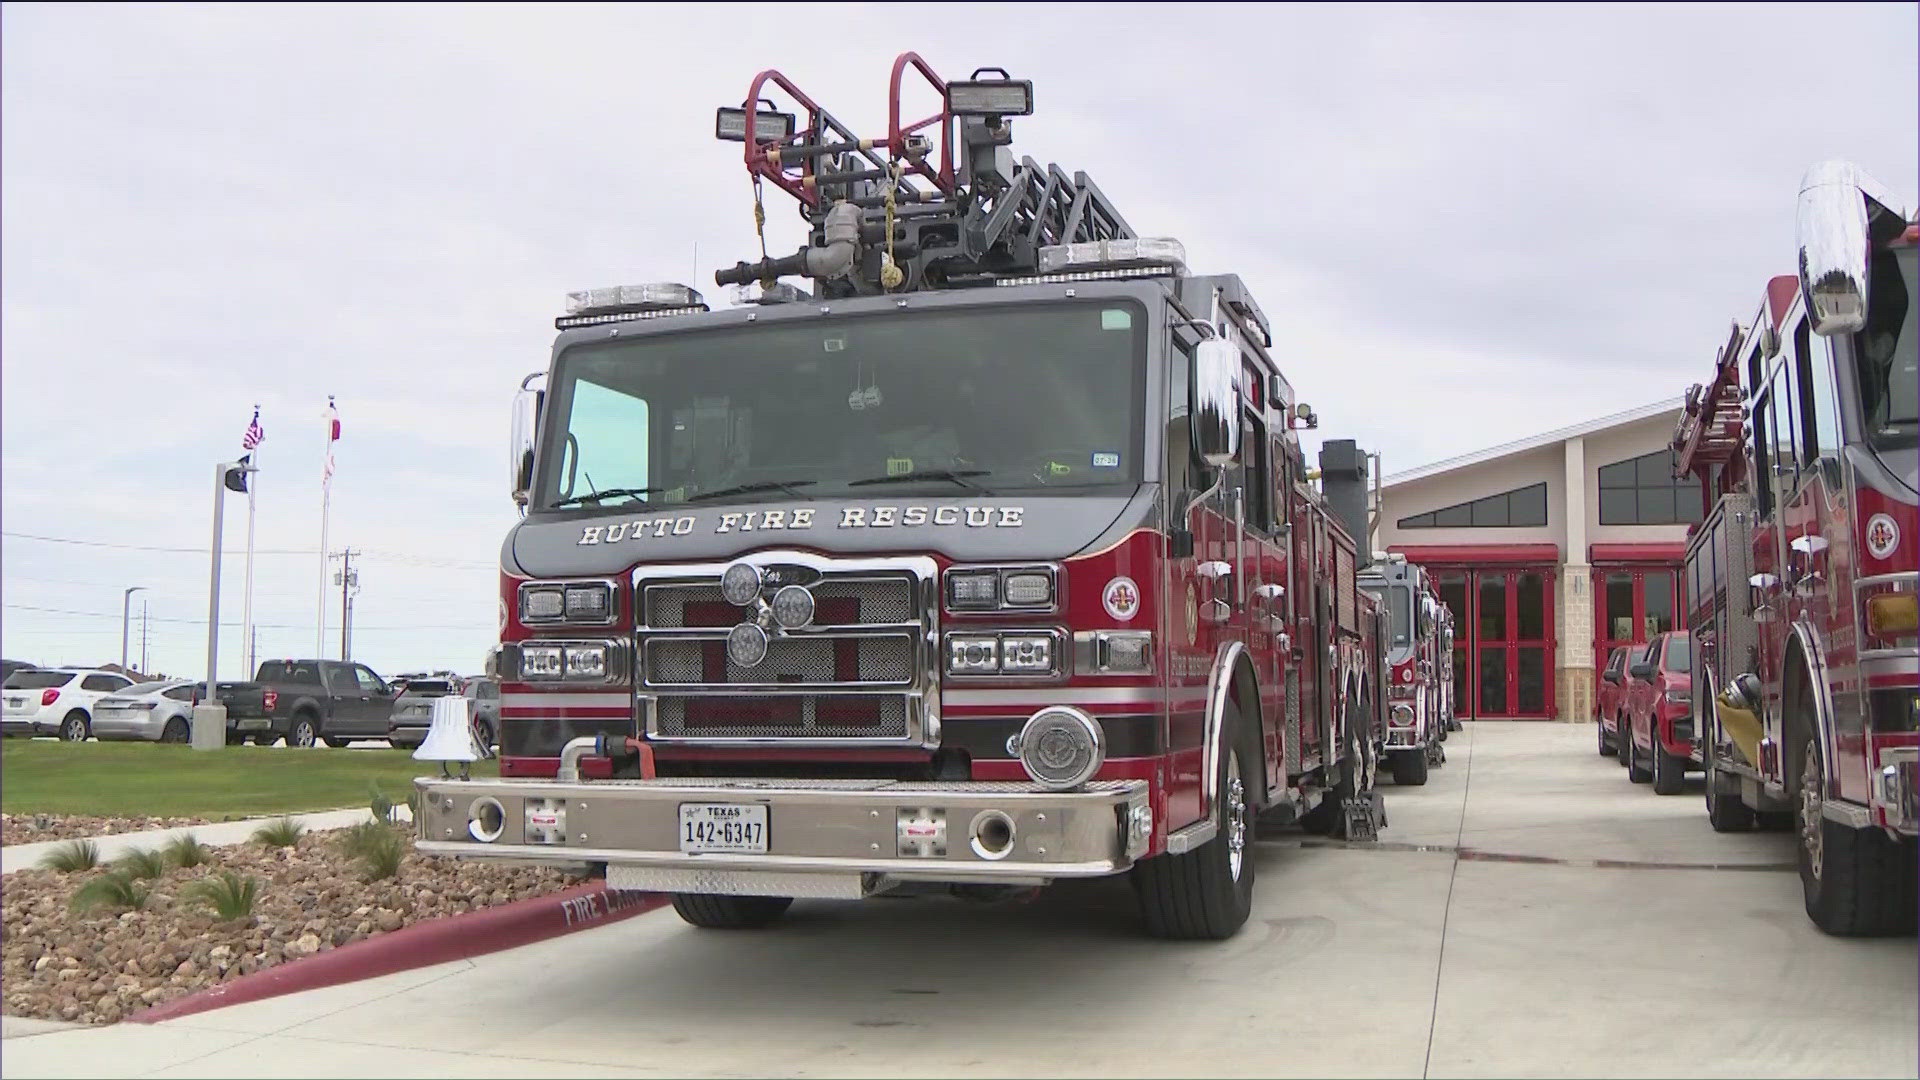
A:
74	855
381	806
184	850
142	863
115	889
229	894
285	832
381	852
356	840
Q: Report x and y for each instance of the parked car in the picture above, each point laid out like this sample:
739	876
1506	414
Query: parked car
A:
55	701
1660	713
413	710
328	701
1609	700
162	710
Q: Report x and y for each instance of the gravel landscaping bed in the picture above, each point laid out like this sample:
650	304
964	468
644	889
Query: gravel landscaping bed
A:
33	828
96	966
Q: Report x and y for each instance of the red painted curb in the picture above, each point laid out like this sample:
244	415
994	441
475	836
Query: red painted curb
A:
436	941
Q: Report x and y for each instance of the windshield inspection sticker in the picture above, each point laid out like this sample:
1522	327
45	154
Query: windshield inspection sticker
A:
1105	460
1116	319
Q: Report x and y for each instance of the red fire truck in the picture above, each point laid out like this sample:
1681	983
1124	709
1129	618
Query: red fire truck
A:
983	559
1800	582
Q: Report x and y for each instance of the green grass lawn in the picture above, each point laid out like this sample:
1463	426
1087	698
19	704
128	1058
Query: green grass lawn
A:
42	776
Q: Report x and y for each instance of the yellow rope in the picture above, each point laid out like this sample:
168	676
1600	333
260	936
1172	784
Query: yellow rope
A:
890	273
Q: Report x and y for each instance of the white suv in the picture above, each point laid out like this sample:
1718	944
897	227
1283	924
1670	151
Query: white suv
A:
55	701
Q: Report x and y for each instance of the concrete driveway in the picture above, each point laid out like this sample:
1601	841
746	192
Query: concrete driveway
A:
1433	954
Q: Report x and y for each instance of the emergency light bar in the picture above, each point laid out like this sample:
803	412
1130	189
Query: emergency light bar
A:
625	303
1158	252
990	97
730	125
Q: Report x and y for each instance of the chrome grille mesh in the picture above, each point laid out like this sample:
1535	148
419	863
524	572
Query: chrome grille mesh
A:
853	601
791	660
851	716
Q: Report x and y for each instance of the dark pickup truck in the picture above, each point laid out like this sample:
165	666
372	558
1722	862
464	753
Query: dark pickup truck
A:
328	701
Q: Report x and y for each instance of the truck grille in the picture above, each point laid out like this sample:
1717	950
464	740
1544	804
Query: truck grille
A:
859	672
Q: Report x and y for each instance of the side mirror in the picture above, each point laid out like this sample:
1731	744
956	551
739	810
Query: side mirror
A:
1611	677
525	433
1215	417
1832	225
1641	671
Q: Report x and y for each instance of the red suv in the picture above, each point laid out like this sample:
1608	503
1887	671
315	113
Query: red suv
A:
1660	712
1610	701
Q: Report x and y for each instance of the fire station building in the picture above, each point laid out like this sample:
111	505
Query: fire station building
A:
1550	551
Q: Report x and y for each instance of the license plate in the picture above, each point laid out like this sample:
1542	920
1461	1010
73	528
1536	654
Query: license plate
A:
16	703
733	827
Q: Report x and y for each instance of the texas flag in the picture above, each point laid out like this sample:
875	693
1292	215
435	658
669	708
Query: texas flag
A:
333	434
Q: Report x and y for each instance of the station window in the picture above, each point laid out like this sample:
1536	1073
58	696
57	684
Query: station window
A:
1520	508
1643	491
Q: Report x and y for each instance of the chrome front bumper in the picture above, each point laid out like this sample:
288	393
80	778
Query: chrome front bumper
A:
824	837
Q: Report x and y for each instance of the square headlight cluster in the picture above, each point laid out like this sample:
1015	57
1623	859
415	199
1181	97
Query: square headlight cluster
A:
570	661
1016	588
588	602
1013	653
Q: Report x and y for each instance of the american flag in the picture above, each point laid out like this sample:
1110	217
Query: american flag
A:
255	433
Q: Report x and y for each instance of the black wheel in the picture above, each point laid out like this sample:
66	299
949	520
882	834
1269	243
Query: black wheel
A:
1409	767
483	733
1606	744
1207	893
74	727
1623	740
303	732
1857	883
1668	772
335	741
1636	772
176	732
730	912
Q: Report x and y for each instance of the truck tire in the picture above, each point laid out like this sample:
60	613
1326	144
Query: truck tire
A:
1207	893
1725	811
1669	772
1623	739
303	730
730	912
1409	767
1635	772
1606	744
1857	883
335	741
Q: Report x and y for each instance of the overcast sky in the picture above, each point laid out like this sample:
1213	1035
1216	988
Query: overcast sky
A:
1467	224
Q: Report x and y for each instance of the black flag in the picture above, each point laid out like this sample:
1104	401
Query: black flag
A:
237	478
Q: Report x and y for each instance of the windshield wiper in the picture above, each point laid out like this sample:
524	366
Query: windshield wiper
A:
786	486
610	493
958	476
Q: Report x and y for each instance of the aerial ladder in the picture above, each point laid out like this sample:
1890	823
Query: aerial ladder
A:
936	203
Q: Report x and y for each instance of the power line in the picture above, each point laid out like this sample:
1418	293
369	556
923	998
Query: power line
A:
223	622
377	553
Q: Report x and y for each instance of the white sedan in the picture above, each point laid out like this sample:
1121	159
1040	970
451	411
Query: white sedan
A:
155	711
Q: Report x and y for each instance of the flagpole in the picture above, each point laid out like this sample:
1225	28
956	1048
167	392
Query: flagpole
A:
326	499
246	603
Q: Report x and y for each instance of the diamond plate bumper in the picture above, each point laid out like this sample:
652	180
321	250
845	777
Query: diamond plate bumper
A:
843	829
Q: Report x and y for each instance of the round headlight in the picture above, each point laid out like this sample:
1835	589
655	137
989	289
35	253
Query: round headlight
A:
1061	747
793	607
740	584
746	644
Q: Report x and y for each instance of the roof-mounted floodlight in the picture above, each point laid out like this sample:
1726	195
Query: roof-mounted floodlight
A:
990	97
624	303
730	125
780	292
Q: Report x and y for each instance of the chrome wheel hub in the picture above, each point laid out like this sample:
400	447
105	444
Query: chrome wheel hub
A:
1812	784
1236	823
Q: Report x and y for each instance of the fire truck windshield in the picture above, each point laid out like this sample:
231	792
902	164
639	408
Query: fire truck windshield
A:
1886	347
1399	611
1008	396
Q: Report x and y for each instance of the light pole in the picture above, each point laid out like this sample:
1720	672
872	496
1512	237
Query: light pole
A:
209	730
126	606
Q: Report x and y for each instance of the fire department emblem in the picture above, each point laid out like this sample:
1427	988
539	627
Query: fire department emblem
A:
1122	599
1882	536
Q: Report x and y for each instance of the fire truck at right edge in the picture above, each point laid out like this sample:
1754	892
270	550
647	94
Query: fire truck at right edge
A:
1801	579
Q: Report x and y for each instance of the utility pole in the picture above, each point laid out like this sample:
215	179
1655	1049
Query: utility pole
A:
126	604
144	627
349	581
